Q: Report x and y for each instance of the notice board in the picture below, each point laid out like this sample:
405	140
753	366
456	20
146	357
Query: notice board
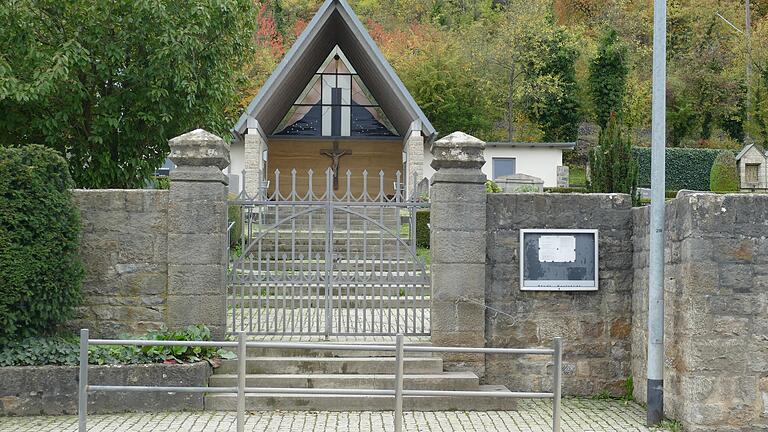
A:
558	259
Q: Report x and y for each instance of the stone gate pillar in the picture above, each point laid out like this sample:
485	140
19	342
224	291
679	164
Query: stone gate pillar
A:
254	144
457	224
197	232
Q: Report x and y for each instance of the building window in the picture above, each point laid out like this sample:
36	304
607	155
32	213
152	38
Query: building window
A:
503	167
752	171
336	103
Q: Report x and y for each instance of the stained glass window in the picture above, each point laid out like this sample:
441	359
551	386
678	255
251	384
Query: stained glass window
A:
336	103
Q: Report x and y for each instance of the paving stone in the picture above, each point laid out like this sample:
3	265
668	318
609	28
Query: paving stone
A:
579	415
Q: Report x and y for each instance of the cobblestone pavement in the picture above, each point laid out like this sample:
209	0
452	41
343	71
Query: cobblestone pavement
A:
579	415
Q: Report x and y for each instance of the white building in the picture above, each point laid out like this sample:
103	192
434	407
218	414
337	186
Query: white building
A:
538	159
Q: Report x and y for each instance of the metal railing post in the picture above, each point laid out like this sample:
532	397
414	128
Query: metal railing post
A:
82	395
557	383
241	363
399	382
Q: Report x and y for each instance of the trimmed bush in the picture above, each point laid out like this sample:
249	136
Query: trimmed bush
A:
724	176
422	228
40	270
686	168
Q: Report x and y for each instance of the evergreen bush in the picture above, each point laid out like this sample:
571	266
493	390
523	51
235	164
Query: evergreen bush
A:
613	167
724	176
422	228
40	269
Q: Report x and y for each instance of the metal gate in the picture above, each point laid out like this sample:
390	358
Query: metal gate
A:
329	263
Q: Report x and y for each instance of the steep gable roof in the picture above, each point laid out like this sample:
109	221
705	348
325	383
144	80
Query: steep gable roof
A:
334	24
747	148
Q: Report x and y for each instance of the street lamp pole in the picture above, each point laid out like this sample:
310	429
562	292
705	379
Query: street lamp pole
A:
655	367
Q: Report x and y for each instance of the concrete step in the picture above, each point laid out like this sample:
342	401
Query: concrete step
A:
362	302
305	352
439	381
332	365
263	402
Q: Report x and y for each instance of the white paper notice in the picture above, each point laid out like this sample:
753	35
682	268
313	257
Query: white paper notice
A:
557	248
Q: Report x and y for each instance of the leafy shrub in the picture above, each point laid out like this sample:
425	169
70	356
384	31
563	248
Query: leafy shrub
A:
724	176
422	229
37	351
40	269
233	215
566	190
492	187
686	168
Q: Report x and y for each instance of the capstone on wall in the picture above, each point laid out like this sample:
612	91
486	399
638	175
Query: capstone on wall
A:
595	325
124	251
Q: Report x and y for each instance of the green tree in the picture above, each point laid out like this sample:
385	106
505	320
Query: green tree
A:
608	73
107	83
521	52
613	168
558	114
724	176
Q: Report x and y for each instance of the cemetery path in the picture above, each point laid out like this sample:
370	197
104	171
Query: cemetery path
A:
579	415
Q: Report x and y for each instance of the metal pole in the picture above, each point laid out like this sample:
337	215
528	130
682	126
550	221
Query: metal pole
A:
399	383
655	367
241	362
557	383
82	394
747	31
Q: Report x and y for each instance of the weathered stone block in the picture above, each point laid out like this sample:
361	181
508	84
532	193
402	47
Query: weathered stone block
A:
196	249
184	279
457	246
453	281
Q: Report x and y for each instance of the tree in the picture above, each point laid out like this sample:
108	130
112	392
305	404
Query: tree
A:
443	82
724	176
608	73
558	114
111	81
613	169
512	49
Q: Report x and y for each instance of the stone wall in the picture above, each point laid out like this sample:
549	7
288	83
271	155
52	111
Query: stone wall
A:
716	311
595	325
154	257
124	251
52	390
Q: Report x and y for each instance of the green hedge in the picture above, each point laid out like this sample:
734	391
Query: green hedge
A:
422	228
686	168
566	190
40	270
233	215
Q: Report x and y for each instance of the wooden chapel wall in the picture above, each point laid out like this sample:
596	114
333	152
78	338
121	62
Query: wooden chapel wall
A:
304	154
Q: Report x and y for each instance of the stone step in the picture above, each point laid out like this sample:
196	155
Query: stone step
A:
439	381
332	365
307	352
264	402
297	302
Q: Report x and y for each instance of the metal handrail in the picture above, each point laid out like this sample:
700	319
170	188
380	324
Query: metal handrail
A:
241	390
